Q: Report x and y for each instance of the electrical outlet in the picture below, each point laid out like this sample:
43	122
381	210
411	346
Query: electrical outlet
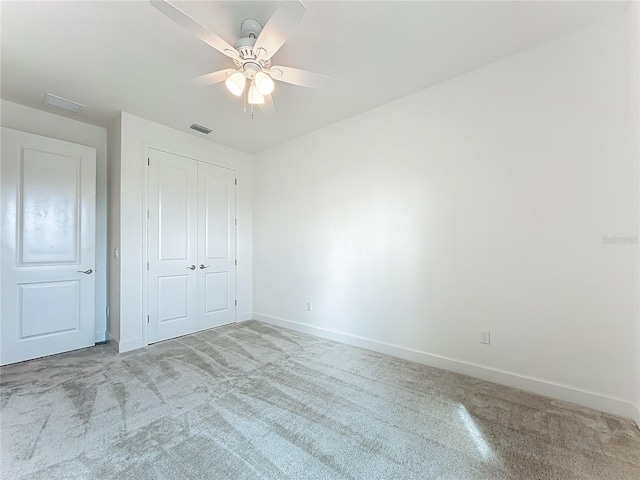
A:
309	306
485	336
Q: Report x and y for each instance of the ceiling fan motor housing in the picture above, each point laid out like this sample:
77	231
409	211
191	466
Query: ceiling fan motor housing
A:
251	29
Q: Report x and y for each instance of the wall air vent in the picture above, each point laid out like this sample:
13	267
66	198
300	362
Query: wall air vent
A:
201	129
62	103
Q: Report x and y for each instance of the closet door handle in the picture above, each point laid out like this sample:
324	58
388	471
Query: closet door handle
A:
202	267
86	272
192	267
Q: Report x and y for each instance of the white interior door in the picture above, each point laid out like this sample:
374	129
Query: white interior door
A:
173	246
216	246
48	246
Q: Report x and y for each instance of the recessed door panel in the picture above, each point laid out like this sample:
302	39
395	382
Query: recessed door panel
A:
49	225
173	298
48	307
173	192
216	291
48	246
217	217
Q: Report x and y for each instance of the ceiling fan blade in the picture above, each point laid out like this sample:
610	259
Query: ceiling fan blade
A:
278	28
299	77
267	106
199	30
209	78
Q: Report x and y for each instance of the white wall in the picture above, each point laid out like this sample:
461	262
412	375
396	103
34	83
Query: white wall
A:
27	119
114	144
480	203
634	21
135	135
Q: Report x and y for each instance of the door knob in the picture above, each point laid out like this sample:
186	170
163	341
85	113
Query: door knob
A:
87	271
202	267
192	267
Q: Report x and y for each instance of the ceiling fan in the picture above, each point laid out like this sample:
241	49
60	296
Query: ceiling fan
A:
254	74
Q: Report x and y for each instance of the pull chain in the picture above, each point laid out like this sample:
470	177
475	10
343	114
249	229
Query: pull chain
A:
244	98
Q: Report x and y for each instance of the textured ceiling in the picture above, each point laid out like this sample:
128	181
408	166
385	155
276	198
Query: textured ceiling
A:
114	56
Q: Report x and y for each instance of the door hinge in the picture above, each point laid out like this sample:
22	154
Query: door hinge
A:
236	181
147	318
148	161
108	310
236	222
147	213
147	265
236	303
236	262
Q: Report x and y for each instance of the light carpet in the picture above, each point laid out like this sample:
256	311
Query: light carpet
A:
258	402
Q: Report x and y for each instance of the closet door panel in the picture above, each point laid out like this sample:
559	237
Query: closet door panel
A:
216	246
173	246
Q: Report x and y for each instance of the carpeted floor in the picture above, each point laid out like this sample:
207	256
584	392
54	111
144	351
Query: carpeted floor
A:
254	401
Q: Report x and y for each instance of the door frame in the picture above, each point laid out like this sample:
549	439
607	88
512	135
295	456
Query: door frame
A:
146	146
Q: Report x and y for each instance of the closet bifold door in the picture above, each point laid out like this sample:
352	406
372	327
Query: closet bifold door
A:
216	246
172	246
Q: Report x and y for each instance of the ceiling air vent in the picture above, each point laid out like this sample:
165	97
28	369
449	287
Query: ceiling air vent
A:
62	103
201	129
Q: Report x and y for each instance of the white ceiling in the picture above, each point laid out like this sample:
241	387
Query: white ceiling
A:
114	56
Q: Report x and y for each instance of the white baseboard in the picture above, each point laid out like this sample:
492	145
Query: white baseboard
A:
127	346
244	317
548	388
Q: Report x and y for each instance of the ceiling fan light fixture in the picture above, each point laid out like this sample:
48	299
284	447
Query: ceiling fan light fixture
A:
255	97
264	83
235	83
253	76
